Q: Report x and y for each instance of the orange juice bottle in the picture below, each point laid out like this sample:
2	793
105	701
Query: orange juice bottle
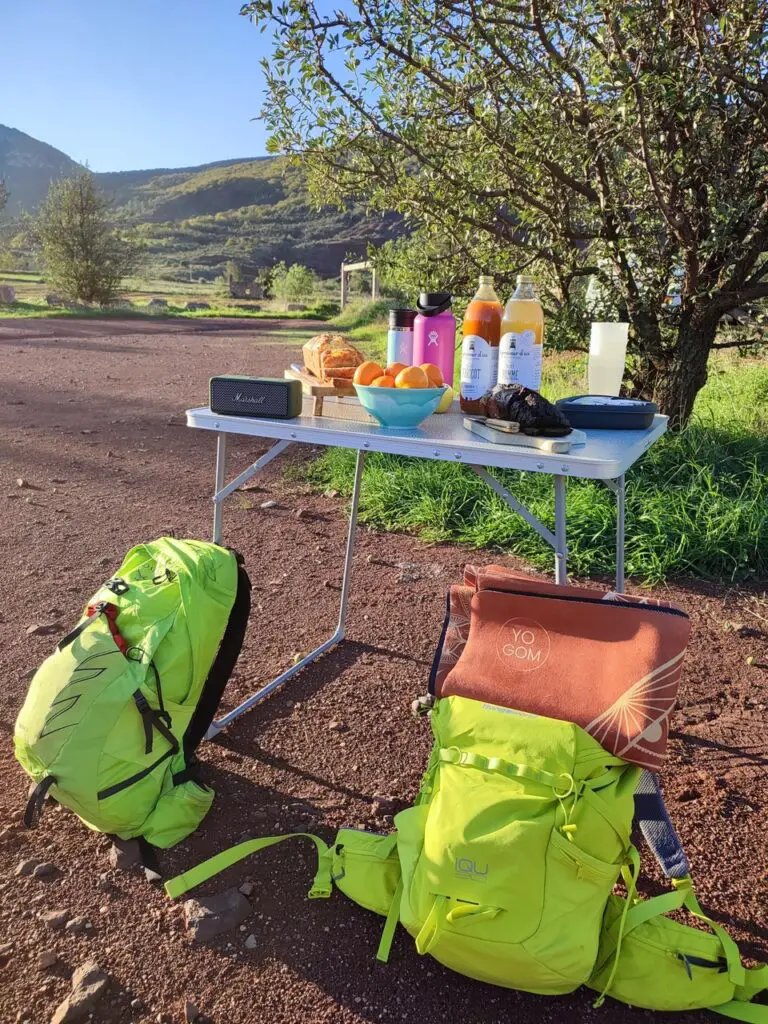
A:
522	337
480	347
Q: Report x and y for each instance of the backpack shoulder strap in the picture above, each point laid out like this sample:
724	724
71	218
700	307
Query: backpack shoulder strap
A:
656	825
321	885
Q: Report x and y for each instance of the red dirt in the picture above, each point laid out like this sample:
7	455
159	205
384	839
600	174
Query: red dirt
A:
92	418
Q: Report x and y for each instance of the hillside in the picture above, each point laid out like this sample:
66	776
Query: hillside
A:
28	166
192	220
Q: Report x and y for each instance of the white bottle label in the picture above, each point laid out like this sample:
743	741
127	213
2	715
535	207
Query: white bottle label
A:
479	365
520	359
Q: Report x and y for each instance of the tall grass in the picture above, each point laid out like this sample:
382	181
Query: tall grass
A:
697	502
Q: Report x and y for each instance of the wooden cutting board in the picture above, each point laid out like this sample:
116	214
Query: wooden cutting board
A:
318	389
558	445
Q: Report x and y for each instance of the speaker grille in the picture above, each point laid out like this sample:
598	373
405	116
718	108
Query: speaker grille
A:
232	397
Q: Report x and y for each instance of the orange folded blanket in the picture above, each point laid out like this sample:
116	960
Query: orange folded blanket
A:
610	663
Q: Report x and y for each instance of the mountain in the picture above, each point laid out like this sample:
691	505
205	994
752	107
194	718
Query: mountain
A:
192	220
28	167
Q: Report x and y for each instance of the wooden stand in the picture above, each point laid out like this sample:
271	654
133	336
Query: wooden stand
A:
318	389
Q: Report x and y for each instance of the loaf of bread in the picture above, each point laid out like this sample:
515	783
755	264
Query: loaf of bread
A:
331	355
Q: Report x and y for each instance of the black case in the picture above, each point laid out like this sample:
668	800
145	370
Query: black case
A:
257	397
612	414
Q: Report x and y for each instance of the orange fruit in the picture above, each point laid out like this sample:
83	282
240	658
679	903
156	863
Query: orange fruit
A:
434	373
386	380
367	372
394	368
412	377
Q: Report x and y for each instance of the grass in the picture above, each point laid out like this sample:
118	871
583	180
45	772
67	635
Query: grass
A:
696	502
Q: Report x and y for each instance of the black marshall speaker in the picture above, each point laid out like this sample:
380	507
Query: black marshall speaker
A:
255	396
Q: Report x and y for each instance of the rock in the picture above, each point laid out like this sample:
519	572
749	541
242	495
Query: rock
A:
268	504
21	482
7	294
26	867
6	949
301	513
157	304
45	870
89	983
124	854
77	925
191	1012
87	431
43	628
47	958
251	942
211	915
334	726
136	1004
383	807
191	306
54	300
295	307
55	919
247	888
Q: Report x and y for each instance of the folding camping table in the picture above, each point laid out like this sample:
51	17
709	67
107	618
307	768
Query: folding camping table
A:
606	456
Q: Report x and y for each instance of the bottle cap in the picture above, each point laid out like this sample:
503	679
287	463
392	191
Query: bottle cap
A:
401	317
525	279
432	303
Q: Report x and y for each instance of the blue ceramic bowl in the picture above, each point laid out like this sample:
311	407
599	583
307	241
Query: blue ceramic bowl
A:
399	407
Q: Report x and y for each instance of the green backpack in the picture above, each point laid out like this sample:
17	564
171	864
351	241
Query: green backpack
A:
112	718
503	870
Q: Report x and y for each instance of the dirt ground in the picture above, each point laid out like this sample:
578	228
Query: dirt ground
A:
92	418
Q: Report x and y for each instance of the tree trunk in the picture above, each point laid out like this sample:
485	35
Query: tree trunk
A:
684	372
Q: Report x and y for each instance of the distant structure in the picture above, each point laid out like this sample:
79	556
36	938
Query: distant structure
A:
346	270
246	290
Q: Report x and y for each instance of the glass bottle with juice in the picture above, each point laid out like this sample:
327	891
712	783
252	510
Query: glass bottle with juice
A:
522	337
480	346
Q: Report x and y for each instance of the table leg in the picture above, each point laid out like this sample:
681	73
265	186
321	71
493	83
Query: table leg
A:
561	549
338	635
221	464
620	534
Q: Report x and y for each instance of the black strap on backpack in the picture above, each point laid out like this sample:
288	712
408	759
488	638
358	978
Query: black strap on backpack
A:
224	663
656	825
34	807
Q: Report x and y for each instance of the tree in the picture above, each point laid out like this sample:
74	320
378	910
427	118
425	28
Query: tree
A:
292	283
84	258
576	137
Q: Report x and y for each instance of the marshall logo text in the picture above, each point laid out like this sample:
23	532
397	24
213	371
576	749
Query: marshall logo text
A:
251	399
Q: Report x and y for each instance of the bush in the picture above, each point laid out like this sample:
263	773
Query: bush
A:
292	284
85	259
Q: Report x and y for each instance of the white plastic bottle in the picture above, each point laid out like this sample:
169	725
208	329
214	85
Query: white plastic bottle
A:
522	337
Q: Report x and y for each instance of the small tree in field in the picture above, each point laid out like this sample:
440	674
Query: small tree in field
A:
576	137
84	257
292	283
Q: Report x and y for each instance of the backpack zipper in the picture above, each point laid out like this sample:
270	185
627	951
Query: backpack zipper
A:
132	779
587	600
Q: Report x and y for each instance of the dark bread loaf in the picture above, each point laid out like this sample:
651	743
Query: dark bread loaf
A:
518	404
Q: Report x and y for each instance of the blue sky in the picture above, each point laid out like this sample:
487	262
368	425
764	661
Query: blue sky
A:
166	83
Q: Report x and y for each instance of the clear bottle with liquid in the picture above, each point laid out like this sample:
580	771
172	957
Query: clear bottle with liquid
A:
480	346
522	337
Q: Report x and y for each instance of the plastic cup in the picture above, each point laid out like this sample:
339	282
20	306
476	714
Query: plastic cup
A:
607	357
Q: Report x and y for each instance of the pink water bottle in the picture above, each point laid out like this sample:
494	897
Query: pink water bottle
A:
434	333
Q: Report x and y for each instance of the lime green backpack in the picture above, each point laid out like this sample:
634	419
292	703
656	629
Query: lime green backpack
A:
503	870
112	718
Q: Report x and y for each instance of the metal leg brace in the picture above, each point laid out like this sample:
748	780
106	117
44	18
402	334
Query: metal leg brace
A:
338	635
555	540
